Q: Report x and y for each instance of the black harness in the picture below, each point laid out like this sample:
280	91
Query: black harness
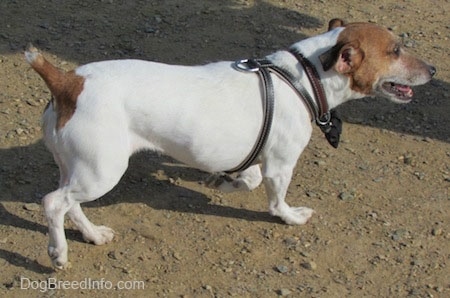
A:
328	121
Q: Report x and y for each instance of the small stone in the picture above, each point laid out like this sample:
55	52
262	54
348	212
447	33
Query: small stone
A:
282	268
284	292
398	234
112	255
346	196
290	242
158	19
98	266
305	254
177	256
419	175
311	194
410	43
320	163
310	265
150	29
32	103
417	262
32	207
207	287
436	231
408	160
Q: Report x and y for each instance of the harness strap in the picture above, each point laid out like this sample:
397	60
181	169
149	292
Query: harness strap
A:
327	120
268	107
296	86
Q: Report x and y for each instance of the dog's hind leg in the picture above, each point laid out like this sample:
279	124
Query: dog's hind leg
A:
245	181
98	235
56	204
87	181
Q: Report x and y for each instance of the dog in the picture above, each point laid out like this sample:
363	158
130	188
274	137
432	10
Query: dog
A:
207	117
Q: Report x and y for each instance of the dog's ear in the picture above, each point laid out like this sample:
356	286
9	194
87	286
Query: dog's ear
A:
335	23
343	57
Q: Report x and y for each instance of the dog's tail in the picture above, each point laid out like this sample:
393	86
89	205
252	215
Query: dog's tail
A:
64	86
53	77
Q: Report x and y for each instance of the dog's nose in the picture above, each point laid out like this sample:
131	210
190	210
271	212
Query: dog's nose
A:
432	70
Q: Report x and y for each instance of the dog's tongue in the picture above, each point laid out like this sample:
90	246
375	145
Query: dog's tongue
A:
405	89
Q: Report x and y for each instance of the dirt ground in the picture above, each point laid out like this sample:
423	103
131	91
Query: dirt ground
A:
382	202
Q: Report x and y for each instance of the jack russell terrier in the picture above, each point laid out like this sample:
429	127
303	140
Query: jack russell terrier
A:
209	117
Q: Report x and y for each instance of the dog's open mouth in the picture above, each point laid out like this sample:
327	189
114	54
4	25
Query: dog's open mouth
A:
399	91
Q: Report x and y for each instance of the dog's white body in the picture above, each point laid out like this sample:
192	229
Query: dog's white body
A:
207	117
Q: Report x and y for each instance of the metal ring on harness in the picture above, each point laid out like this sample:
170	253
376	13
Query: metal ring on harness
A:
324	119
243	65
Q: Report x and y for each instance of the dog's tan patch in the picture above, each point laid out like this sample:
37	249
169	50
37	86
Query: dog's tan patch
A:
373	46
364	52
66	97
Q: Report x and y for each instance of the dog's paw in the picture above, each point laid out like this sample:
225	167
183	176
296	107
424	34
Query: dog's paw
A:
58	257
227	183
100	235
293	215
219	181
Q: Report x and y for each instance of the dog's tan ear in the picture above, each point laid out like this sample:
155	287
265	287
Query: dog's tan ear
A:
343	57
335	23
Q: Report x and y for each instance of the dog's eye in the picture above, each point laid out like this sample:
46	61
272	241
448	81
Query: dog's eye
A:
396	51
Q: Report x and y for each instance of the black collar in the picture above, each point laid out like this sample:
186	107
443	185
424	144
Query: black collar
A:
328	121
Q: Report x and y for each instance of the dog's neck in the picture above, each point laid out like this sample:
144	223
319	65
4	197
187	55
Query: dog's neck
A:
336	86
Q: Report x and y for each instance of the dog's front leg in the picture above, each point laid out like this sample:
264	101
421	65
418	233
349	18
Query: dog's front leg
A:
276	187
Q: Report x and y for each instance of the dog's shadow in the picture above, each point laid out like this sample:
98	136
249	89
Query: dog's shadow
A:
142	184
33	168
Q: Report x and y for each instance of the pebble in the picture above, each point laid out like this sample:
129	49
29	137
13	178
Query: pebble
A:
346	196
290	242
310	265
208	287
112	255
284	292
436	231
419	175
320	163
177	256
398	234
282	268
32	207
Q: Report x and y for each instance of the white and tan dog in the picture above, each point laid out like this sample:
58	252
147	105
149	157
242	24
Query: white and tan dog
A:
207	117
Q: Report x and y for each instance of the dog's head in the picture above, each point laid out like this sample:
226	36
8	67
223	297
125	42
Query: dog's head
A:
375	61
